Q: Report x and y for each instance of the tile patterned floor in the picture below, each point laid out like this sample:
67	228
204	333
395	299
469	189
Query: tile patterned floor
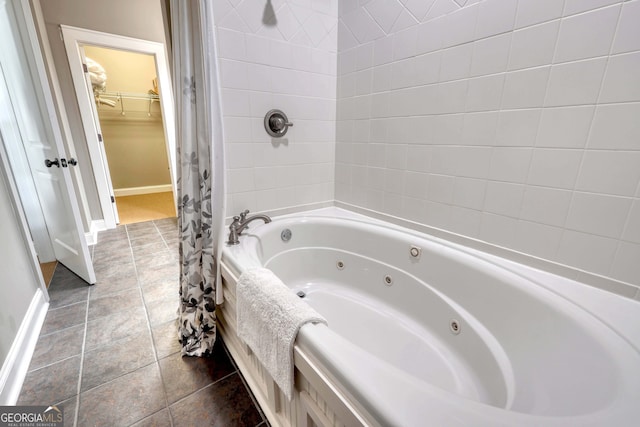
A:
109	354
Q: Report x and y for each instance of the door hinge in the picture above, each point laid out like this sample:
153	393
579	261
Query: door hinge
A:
85	68
113	199
100	137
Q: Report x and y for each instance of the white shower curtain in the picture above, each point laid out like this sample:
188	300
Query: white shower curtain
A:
200	155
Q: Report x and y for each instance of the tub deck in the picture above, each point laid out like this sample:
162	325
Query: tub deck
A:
528	347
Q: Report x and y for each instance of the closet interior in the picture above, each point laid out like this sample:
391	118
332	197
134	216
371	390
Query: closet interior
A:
126	95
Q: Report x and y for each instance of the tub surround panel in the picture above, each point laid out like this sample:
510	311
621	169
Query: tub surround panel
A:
537	153
279	55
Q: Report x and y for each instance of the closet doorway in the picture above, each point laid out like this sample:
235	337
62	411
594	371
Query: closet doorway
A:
126	95
133	106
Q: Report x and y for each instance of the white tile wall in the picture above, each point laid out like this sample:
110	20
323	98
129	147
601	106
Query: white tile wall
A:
286	60
512	121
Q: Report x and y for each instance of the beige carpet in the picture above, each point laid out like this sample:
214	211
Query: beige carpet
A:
145	207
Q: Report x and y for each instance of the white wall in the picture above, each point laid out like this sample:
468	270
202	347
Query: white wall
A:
18	280
283	58
515	122
142	19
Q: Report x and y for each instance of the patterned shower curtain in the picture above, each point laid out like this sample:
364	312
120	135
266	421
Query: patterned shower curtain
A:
200	172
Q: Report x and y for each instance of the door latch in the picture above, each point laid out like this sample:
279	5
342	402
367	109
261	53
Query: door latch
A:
48	163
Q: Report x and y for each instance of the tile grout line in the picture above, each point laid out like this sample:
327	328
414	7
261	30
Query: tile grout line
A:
244	382
84	342
148	321
200	389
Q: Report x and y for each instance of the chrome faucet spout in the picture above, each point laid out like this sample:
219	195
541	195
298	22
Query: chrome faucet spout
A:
240	223
244	224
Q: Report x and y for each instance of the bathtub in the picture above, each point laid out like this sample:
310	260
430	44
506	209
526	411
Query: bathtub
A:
423	332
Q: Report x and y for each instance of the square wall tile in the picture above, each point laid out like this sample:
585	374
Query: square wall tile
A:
465	221
545	205
609	172
429	36
586	251
415	185
628	33
437	214
479	128
533	46
526	88
577	38
231	44
532	12
455	63
484	93
565	127
554	168
419	158
632	228
405	43
498	229
440	188
460	25
469	192
233	74
503	198
495	17
621	82
510	164
384	13
472	162
575	83
490	55
616	127
598	214
625	264
537	239
518	128
576	6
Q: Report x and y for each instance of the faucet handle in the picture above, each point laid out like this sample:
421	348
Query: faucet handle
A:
243	215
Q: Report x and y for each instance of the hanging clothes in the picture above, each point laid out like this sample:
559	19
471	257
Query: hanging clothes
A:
200	184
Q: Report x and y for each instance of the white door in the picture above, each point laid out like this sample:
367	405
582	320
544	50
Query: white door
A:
98	131
21	74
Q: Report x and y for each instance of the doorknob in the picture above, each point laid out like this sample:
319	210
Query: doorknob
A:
48	163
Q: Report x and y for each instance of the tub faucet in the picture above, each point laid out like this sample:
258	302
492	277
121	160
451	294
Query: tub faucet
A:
240	222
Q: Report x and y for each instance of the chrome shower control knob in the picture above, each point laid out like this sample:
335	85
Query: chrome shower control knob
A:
276	123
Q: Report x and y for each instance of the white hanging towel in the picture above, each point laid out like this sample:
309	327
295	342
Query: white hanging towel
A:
269	316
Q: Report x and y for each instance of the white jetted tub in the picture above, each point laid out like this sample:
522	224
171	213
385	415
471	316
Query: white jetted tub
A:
426	332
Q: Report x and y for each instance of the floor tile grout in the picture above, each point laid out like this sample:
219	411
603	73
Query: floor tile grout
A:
153	344
84	342
173	366
229	375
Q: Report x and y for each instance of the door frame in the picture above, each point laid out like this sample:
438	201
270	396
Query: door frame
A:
74	39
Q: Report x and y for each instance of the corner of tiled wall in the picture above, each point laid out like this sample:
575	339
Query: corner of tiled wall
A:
278	54
516	122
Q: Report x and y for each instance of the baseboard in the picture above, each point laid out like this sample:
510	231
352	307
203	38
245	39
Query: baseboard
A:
15	367
133	191
92	234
